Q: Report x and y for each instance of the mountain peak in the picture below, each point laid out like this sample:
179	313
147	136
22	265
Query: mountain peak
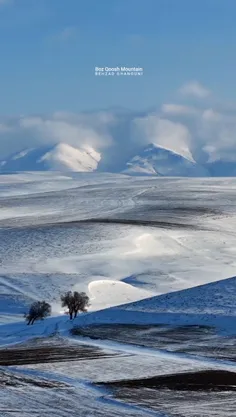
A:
154	159
182	151
58	157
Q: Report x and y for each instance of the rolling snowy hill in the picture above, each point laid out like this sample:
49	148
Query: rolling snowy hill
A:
157	234
120	239
211	304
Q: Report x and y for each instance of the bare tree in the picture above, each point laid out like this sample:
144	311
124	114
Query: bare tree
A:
67	300
81	302
38	311
75	302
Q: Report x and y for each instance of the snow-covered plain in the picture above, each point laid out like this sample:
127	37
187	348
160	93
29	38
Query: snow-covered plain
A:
122	240
163	235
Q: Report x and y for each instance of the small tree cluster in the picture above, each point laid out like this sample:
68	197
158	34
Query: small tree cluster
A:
38	311
75	302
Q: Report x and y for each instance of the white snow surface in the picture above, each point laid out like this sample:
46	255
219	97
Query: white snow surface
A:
211	304
147	250
178	233
208	305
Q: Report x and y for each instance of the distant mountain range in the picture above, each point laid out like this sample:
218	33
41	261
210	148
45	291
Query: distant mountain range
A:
149	160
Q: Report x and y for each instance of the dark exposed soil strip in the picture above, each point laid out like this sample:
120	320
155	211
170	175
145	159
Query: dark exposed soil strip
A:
78	223
195	340
47	354
141	222
209	380
185	210
12	380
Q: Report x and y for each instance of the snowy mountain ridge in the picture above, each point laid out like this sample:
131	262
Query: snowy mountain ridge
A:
152	159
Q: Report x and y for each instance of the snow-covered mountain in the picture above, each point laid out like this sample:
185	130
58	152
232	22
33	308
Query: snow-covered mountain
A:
157	160
152	159
60	157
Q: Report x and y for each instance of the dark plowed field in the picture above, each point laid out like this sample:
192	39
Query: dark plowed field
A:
212	380
195	340
191	394
43	354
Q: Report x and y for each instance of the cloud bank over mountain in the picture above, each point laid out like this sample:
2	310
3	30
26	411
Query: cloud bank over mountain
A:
200	130
195	89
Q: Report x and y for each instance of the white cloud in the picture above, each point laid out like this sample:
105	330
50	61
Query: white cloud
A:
178	109
163	132
77	130
194	89
217	135
74	132
211	115
205	133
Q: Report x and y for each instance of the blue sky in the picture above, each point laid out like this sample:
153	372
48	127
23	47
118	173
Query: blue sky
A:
49	48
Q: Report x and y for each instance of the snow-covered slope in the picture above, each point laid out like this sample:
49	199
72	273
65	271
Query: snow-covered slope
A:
55	237
211	304
60	157
213	298
156	160
58	231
